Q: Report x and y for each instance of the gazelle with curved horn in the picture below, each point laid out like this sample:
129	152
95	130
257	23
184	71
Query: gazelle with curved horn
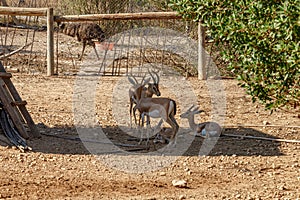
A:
149	91
153	88
133	93
204	129
163	108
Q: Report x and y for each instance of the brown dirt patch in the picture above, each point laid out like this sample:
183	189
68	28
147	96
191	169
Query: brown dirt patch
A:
62	168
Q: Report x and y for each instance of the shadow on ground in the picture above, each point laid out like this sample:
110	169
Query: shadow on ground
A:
238	145
65	140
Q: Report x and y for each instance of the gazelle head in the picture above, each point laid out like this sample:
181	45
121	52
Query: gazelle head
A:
135	92
137	88
134	82
154	87
191	112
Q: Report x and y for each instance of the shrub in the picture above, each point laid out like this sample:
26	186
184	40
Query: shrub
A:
261	42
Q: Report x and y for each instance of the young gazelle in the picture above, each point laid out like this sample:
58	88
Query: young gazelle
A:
163	108
152	88
205	129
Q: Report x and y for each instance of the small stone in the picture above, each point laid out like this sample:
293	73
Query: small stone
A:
182	197
179	183
162	174
282	187
265	123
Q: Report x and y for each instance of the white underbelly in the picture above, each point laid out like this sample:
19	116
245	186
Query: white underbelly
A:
154	114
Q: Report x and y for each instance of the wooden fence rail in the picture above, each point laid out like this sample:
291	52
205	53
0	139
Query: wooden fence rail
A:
23	11
118	16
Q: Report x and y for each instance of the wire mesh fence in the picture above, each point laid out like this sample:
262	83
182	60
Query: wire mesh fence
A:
30	3
132	43
27	36
20	48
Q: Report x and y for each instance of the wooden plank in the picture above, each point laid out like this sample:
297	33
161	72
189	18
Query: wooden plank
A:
118	16
34	131
15	51
14	115
5	75
19	103
23	11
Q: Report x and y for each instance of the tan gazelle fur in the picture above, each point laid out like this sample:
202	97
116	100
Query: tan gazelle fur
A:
163	108
204	129
149	91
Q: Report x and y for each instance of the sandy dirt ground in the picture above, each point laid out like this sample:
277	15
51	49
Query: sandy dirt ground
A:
62	166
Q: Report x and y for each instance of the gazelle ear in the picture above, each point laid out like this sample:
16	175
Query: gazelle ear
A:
132	80
195	109
146	81
190	108
198	111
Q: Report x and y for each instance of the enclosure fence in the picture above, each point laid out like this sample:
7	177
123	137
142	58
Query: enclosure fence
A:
134	39
30	26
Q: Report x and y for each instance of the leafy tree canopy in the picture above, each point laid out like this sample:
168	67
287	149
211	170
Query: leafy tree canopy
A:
260	40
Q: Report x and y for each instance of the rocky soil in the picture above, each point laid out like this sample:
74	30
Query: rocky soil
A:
63	162
61	167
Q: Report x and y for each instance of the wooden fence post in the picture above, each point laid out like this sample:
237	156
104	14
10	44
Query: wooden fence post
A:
201	53
50	42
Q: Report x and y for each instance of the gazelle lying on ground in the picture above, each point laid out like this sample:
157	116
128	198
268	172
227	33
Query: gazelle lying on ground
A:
205	129
152	88
163	108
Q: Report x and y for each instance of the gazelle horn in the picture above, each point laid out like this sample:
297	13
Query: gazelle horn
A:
132	79
190	108
157	77
145	81
151	76
196	109
143	78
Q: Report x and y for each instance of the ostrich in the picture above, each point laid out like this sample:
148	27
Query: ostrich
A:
85	33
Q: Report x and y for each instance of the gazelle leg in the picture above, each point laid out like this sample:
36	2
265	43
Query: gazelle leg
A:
130	112
142	130
171	120
148	121
134	115
158	126
141	118
148	129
